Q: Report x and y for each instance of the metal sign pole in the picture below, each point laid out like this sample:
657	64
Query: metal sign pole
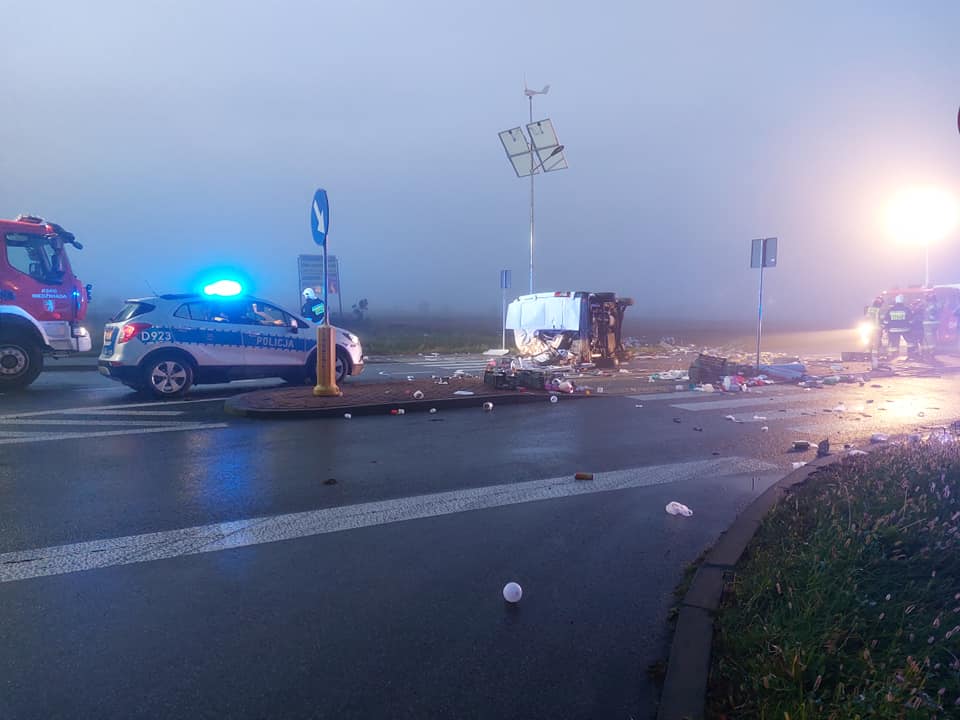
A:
326	288
759	318
530	98
326	341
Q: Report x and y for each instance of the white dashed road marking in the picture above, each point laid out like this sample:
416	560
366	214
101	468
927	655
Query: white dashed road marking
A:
57	560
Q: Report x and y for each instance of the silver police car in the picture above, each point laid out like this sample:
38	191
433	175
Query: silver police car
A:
166	344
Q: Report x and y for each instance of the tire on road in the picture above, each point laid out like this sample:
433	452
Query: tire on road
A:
21	361
167	374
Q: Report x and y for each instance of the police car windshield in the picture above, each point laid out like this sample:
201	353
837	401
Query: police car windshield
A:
39	256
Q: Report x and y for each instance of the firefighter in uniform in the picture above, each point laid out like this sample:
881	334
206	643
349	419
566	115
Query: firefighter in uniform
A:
313	308
873	317
931	326
897	323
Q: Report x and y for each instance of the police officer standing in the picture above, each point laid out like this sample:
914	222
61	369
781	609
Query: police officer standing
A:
897	323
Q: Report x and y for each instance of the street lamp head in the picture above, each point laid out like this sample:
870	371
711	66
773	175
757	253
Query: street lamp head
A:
556	151
922	215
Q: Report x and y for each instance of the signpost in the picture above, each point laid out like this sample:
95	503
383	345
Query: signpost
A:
504	286
763	254
326	340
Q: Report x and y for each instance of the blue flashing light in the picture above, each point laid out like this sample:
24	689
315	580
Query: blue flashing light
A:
223	288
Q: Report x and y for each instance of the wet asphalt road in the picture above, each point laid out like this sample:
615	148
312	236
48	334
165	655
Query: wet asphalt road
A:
401	617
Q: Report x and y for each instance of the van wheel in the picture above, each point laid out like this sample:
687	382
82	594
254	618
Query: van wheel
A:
168	375
21	361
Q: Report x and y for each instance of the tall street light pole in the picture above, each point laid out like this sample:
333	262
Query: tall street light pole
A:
536	150
530	93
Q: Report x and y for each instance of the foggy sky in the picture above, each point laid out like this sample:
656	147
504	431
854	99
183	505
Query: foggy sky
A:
173	136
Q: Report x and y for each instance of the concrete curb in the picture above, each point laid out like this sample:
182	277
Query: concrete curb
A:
688	668
233	406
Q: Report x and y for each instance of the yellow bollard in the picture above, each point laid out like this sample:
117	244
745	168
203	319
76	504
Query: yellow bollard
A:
326	363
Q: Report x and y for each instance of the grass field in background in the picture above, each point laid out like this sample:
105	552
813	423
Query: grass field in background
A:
847	601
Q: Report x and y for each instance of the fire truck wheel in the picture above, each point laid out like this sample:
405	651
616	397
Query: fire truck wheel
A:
21	361
168	375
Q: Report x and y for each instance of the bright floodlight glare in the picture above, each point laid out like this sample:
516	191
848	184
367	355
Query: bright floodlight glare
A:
223	288
922	215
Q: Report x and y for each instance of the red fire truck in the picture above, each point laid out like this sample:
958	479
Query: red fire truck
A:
42	302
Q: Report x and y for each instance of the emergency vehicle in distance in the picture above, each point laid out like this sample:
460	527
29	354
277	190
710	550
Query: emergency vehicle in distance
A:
42	302
948	301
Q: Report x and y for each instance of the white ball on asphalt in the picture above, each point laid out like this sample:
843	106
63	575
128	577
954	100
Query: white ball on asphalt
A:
418	395
488	406
347	416
553	398
512	592
433	411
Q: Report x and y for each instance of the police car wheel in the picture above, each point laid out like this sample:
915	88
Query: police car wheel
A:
342	364
20	362
168	376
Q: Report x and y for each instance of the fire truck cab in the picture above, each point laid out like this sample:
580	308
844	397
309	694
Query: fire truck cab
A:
42	303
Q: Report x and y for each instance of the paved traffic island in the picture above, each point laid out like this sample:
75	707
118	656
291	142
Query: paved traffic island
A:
383	398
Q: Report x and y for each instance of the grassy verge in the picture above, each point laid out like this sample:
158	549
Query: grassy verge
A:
847	602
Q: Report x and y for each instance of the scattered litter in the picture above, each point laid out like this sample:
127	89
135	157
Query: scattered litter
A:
856	452
675	508
409	378
942	435
670	375
879	438
764	429
697	428
840	408
330	481
638	406
798	465
869	402
788	371
553	398
920	414
418	395
823	448
730	417
876	386
600	389
383	372
759	417
463	392
347	416
565	386
583	476
433	411
488	406
915	438
512	592
837	368
801	444
677	420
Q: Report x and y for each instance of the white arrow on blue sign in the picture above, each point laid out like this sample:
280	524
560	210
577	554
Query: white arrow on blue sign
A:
320	217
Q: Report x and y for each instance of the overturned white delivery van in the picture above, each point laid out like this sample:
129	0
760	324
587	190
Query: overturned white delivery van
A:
567	328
